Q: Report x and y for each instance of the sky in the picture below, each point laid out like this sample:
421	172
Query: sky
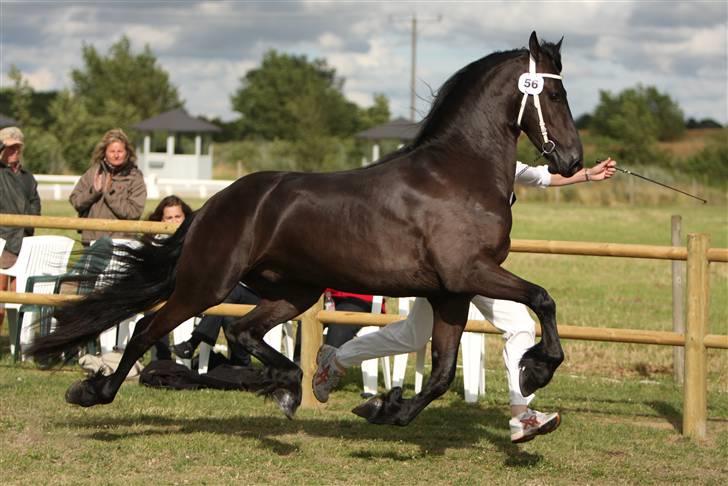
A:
208	46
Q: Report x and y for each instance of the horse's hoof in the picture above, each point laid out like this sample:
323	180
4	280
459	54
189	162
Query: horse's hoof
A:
526	383
370	409
81	393
286	401
535	375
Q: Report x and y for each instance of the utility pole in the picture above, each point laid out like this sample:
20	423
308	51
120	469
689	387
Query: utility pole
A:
413	70
414	67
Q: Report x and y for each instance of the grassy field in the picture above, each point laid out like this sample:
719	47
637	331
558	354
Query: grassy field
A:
622	412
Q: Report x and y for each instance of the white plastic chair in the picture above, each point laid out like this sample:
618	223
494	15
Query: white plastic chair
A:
472	345
370	367
473	358
39	255
400	361
281	339
182	333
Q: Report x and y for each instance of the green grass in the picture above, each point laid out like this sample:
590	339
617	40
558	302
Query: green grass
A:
622	412
613	431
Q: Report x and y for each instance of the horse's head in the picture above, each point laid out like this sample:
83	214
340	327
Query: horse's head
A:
544	114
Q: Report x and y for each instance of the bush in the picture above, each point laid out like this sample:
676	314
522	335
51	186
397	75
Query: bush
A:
710	164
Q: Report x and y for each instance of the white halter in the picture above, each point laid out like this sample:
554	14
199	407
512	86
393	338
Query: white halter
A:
531	83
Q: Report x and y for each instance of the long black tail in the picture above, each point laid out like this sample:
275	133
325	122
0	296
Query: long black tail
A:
144	277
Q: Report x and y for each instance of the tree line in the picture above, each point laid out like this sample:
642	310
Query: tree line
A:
288	97
292	111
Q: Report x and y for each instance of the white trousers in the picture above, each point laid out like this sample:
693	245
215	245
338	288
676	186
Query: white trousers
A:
413	333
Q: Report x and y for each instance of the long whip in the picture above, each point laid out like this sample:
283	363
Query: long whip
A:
627	171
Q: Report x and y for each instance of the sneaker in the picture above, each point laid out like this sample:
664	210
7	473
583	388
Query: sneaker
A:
531	423
184	350
328	373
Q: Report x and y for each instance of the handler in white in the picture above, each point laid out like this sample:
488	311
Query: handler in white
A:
512	318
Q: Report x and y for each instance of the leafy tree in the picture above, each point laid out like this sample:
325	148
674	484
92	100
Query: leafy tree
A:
629	124
123	87
42	151
292	98
669	116
76	130
38	106
583	121
20	97
704	123
620	115
709	164
376	114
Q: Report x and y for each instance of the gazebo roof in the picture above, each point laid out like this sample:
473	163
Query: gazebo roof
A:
397	129
6	121
177	120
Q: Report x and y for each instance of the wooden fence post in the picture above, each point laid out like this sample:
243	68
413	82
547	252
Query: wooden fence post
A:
678	302
695	401
311	340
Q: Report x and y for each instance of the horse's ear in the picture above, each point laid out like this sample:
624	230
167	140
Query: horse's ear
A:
533	46
558	44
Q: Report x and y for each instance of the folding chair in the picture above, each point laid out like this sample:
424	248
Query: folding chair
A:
39	256
79	280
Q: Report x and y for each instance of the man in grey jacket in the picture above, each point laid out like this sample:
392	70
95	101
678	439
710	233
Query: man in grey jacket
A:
18	195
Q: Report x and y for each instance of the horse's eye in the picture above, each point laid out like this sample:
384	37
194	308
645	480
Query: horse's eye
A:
554	96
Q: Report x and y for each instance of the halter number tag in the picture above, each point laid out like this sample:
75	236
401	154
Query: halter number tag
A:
530	83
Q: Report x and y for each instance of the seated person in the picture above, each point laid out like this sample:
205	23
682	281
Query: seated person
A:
173	210
338	334
209	328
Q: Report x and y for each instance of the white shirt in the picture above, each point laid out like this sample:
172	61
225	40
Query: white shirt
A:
532	176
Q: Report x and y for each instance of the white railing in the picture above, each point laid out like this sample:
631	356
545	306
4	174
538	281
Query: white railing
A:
59	187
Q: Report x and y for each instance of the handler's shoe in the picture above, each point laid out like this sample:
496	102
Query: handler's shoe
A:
531	423
328	373
184	350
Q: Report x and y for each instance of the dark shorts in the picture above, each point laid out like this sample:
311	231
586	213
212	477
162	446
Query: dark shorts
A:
7	259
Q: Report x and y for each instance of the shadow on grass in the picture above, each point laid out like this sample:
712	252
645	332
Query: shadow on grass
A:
670	413
457	426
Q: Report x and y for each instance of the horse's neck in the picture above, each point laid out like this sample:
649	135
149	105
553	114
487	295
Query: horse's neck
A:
490	137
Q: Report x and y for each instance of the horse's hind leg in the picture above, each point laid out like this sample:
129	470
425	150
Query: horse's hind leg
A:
450	316
101	389
281	376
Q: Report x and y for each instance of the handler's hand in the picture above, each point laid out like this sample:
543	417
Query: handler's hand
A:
603	170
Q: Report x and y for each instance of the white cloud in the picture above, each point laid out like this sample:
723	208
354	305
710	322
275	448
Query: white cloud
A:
207	46
42	79
160	39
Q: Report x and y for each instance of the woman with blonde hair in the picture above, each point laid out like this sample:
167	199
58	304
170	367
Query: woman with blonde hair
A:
113	187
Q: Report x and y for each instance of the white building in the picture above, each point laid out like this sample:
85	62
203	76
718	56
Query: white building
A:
176	146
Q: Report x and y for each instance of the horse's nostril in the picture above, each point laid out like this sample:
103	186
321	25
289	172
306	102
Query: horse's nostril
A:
575	166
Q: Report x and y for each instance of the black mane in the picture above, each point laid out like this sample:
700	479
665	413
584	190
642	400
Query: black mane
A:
453	93
457	88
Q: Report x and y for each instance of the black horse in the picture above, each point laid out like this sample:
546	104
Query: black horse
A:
432	219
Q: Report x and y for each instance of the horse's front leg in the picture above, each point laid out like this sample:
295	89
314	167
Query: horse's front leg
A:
539	363
450	316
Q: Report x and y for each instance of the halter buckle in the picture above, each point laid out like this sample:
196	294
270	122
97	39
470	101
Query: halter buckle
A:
551	146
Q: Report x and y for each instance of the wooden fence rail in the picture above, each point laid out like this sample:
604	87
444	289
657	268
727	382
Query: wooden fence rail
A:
695	340
517	246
